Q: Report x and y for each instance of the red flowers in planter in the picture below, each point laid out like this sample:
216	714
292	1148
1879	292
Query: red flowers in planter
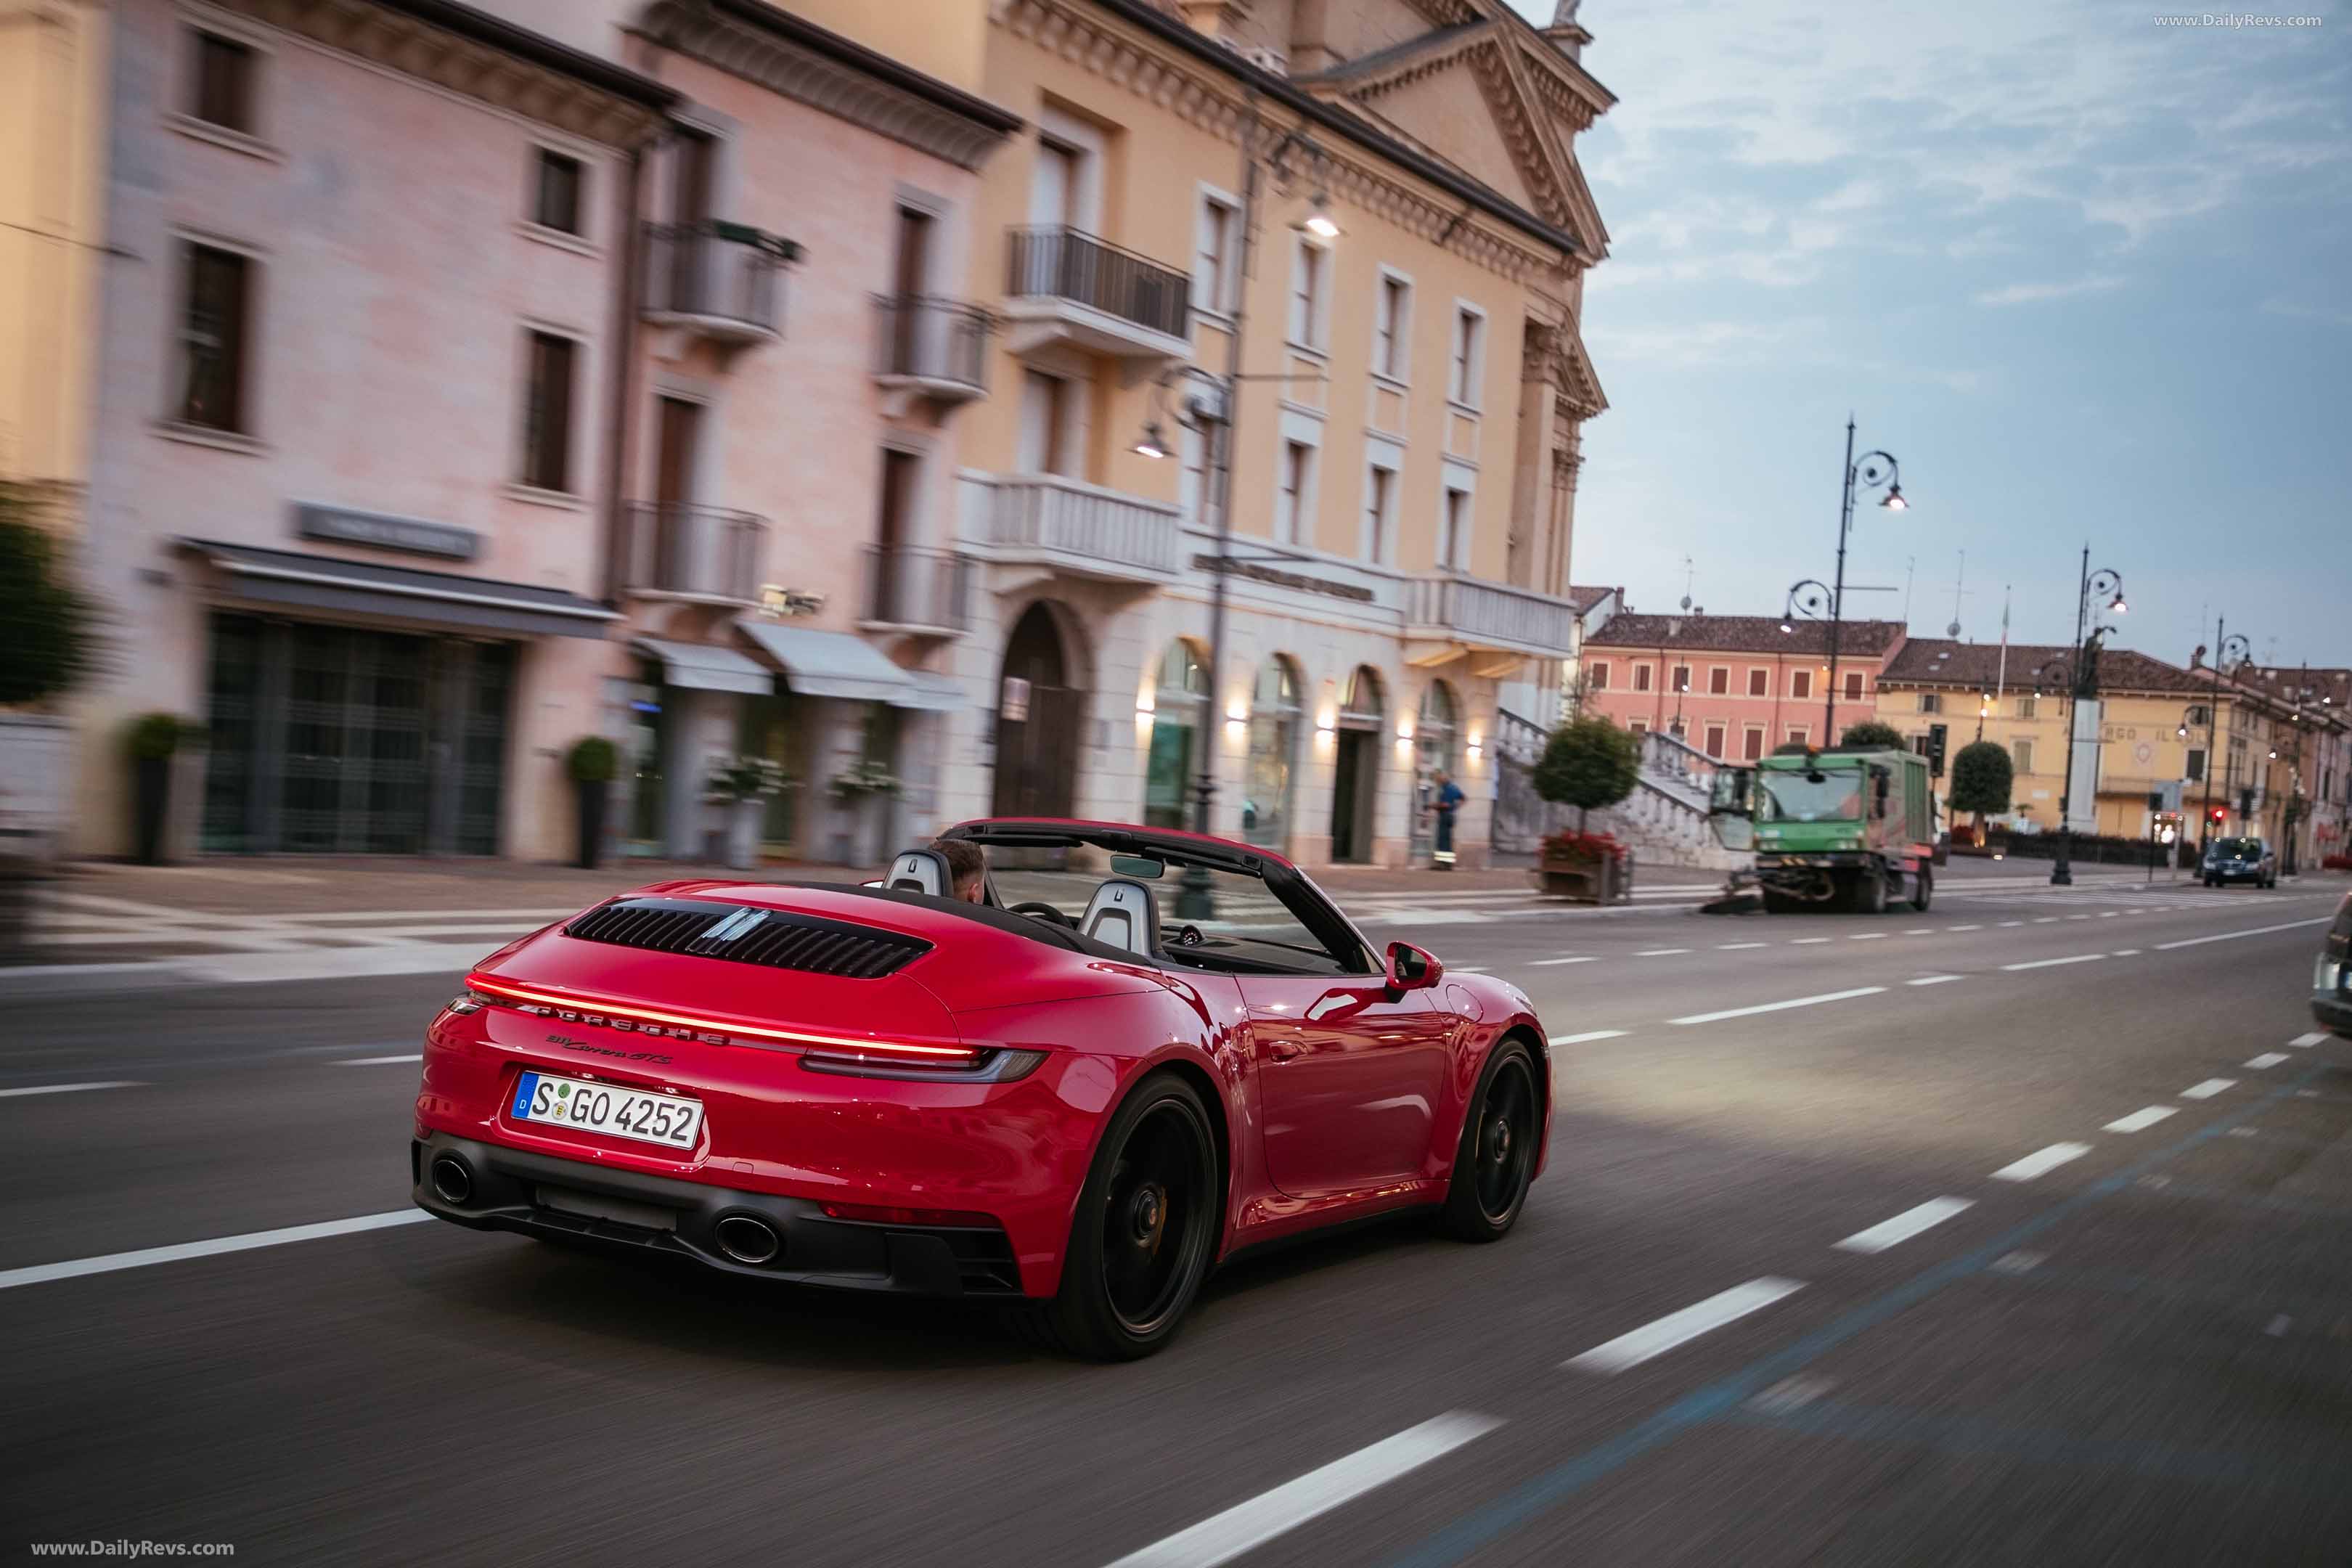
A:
1573	845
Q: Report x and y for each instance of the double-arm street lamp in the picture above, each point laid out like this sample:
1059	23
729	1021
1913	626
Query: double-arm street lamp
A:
1808	599
2225	644
2104	587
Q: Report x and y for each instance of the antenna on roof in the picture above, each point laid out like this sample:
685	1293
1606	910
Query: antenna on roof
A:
1958	592
1690	574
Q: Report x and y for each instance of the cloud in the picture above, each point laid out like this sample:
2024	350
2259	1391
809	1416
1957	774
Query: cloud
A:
2034	293
2333	317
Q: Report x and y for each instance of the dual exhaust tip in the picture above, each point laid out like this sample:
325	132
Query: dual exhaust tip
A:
744	1238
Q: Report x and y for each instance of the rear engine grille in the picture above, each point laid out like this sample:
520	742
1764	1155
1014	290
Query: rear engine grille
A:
746	933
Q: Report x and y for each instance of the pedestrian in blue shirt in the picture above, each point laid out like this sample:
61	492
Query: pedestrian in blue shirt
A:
1448	800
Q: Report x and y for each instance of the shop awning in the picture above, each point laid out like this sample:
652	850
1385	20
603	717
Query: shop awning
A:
698	666
831	663
933	693
401	593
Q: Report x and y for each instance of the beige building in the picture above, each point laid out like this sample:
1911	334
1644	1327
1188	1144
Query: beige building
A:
1408	416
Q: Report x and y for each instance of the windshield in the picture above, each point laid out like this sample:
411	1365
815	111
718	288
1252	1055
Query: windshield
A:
2238	848
1795	797
1245	926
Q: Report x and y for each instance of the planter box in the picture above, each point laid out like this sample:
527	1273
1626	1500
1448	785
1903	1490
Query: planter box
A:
1608	881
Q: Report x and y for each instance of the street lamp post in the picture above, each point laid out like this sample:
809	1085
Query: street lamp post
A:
2222	645
2108	585
1809	599
1876	468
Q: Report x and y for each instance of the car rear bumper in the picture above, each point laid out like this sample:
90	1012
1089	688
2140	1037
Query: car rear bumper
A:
545	1195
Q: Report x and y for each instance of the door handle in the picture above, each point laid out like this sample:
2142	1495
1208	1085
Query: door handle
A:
1281	1050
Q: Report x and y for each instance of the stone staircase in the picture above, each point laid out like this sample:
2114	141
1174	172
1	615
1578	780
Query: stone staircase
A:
1665	818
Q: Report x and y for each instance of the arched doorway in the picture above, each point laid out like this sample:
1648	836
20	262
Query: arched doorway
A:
1039	715
1178	729
1356	769
1435	750
1273	754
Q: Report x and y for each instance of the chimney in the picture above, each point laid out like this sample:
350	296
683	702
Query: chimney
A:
1220	19
1311	37
1565	33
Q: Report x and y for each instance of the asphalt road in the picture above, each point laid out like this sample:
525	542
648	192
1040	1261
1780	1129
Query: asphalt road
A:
2103	1346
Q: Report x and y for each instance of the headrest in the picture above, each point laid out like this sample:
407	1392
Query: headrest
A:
921	871
1123	914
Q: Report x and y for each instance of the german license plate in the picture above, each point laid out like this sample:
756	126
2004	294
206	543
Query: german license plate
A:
664	1118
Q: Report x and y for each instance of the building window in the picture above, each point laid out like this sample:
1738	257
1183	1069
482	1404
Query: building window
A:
1290	520
1193	479
1853	686
1213	257
1751	745
1799	735
2028	705
1596	676
546	413
1309	265
1454	538
1800	684
1391	322
1759	683
555	204
213	339
1273	751
2021	754
1380	490
1682	678
1929	701
220	88
1719	681
1469	357
1180	699
2198	715
1638	728
1715	740
2195	771
1641	678
1047	405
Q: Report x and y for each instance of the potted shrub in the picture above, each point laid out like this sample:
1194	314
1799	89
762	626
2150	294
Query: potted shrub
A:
1589	763
871	779
592	764
741	787
154	740
49	641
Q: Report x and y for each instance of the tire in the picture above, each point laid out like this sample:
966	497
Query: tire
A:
1870	891
1923	889
1498	1147
1147	1225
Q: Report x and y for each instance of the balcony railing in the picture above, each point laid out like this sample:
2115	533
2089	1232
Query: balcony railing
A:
909	588
1066	265
938	345
1078	528
691	552
721	279
1487	615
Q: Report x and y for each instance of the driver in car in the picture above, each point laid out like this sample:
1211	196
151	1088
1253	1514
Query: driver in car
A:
967	866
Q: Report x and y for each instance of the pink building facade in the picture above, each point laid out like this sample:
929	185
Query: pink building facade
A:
1734	686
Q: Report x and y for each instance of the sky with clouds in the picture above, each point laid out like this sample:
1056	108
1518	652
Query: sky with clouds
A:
2088	277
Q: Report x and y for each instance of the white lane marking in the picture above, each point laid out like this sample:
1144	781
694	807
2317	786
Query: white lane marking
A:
1546	963
2141	1119
1466	968
1779	1006
2279	1326
2267	1060
1805	940
2045	919
2078	917
1588	1035
2234	935
1735	946
41	1273
2040	1162
1654	1339
2126	953
1868	936
1659	952
1920	930
2106	914
1246	1526
2207	1089
377	1061
1932	980
68	1088
2013	923
1905	1226
2312	1038
2054	963
1963	928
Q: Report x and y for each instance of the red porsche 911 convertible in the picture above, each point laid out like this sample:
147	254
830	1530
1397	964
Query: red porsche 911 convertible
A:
1136	1054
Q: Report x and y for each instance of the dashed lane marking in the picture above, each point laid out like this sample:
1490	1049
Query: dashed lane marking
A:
2127	952
2303	1041
2054	963
66	1088
2040	1162
1868	936
1736	946
378	1061
1806	941
41	1273
2267	1060
1246	1526
1659	952
1588	1035
2234	935
1654	1339
1779	1006
2141	1119
1920	930
2207	1089
1933	980
1548	963
1905	1226
1963	928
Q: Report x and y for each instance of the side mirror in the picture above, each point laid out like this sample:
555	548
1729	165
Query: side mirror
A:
1411	968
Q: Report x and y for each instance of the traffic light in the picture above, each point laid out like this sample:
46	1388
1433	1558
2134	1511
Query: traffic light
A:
2217	815
1937	735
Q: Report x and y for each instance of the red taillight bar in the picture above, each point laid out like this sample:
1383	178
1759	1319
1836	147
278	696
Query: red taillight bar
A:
829	1044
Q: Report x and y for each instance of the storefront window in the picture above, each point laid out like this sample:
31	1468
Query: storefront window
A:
1273	752
1178	704
1433	751
770	728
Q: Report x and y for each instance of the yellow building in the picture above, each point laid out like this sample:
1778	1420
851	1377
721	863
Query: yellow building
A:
1412	386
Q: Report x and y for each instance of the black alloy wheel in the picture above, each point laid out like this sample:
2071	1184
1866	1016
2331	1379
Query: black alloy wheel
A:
1146	1229
1496	1159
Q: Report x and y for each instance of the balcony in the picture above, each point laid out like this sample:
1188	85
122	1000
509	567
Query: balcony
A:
674	549
720	282
1070	528
1498	626
1064	287
929	347
914	591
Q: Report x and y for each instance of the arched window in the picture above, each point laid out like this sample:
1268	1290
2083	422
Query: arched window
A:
1356	765
1179	705
1273	754
1361	706
1435	750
